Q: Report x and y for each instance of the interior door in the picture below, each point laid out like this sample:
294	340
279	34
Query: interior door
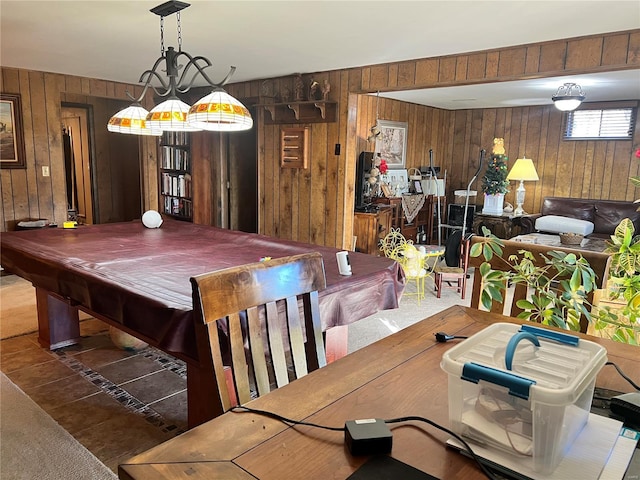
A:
75	132
243	179
104	170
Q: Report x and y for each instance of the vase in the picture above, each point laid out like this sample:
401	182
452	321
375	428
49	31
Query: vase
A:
493	204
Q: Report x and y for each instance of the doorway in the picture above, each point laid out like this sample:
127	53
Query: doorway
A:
242	168
77	162
103	169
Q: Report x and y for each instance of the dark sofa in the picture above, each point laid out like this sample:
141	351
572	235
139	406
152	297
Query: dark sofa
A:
604	214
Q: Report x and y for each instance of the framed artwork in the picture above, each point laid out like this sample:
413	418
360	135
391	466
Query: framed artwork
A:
391	144
397	180
417	186
386	190
11	134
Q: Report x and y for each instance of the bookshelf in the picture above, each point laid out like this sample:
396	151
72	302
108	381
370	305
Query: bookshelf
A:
175	175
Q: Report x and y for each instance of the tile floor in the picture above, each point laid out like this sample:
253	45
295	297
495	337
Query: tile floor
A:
116	403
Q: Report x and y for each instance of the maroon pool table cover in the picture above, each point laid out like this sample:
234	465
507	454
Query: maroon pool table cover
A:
139	277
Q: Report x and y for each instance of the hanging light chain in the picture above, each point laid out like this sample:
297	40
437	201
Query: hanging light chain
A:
179	32
162	36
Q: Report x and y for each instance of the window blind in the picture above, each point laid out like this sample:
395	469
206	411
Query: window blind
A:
614	123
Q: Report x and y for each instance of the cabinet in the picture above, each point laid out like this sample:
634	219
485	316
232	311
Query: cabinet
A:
370	228
175	175
502	226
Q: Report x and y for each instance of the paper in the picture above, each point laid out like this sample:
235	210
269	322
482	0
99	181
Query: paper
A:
621	454
586	459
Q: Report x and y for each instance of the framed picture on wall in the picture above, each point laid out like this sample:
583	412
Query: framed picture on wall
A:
11	134
391	144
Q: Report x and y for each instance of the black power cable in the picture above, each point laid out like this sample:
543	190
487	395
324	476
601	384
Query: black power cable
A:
440	337
291	422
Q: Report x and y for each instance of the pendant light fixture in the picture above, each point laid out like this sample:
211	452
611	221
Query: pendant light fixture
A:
217	111
568	97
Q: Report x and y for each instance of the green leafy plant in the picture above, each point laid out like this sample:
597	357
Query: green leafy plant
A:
559	283
620	320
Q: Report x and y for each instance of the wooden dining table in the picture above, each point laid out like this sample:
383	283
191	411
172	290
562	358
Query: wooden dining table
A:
397	376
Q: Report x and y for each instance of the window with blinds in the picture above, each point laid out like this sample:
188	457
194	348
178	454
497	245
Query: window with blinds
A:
605	124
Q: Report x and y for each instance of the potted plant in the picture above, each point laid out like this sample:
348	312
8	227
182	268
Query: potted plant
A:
559	283
494	181
619	307
619	318
615	315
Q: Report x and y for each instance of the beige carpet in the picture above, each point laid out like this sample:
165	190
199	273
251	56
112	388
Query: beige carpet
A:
17	307
34	446
18	314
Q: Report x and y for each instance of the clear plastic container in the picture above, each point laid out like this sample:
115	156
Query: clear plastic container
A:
524	399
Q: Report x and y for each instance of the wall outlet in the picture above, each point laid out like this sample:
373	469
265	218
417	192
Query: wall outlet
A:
45	170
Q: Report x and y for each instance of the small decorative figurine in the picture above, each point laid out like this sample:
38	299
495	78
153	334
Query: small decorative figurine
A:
313	90
298	88
285	94
326	88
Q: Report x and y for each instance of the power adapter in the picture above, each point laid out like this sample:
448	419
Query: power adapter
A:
627	407
369	436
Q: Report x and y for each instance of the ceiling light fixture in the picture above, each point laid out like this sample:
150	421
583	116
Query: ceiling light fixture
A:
568	97
217	111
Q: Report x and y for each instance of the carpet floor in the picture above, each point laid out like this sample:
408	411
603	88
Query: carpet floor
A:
34	446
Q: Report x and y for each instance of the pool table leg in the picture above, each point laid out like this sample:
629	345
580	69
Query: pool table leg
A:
58	321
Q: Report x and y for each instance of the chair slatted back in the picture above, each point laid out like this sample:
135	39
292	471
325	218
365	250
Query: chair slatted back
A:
444	273
599	262
258	307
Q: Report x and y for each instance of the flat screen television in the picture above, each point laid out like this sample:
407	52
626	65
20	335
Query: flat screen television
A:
364	164
455	215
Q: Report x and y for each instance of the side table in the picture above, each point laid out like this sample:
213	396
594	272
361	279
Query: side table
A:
370	228
503	226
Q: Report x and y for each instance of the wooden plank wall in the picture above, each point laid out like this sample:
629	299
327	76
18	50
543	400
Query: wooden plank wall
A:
299	205
316	205
28	194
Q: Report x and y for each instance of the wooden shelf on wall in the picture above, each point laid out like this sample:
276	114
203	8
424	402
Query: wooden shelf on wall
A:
310	111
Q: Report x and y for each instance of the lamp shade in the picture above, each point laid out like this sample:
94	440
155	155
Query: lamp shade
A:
132	120
524	170
219	111
170	115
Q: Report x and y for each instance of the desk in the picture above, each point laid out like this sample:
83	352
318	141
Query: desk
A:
397	376
138	280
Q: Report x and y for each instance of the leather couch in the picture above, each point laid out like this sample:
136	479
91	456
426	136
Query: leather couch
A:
604	214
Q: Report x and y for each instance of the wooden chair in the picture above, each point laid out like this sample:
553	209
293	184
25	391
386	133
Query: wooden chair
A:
260	305
598	261
445	273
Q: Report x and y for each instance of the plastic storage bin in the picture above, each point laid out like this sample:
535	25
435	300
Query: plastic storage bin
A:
525	399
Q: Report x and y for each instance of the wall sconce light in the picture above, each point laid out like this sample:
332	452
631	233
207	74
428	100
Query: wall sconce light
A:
568	97
217	111
525	171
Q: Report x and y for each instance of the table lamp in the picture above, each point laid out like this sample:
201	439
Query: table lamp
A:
522	170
